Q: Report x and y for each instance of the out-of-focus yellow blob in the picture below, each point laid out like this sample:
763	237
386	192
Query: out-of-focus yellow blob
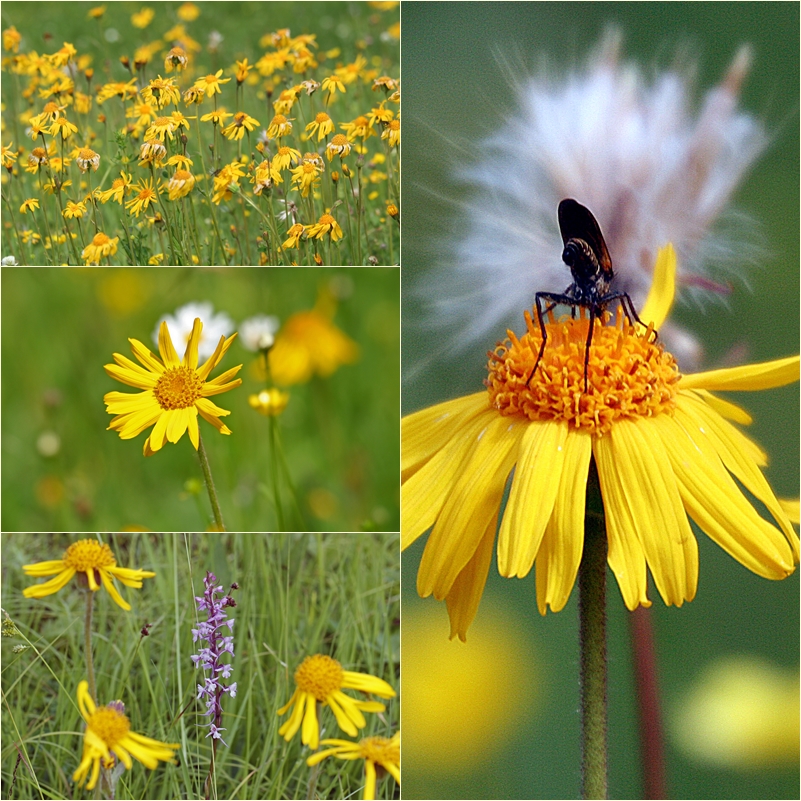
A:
123	292
461	702
742	712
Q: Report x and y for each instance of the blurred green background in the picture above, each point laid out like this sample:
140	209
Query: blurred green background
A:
340	434
457	95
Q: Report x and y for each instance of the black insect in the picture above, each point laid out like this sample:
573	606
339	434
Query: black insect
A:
586	254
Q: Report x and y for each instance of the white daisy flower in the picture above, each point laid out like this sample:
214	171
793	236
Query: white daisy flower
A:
258	333
180	327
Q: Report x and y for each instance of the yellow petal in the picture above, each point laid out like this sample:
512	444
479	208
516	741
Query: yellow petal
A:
465	595
536	480
474	500
651	491
166	349
559	555
663	288
190	354
764	375
425	492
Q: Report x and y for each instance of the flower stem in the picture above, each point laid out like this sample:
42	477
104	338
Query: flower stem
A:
648	710
87	644
592	645
204	466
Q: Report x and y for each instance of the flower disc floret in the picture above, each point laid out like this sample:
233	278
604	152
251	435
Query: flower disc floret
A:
319	675
87	555
630	375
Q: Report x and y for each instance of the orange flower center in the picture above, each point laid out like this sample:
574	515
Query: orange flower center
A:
327	219
178	388
340	140
322	117
628	374
109	725
162	122
279	119
319	676
379	749
100	239
86	555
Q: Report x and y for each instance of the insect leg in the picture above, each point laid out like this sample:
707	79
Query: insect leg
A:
587	348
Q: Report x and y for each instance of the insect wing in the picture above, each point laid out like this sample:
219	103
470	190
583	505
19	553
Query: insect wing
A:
577	222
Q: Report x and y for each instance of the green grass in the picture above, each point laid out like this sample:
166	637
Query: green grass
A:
245	227
340	434
336	594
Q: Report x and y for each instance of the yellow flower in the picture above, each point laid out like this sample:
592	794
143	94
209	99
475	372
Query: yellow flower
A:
322	125
63	126
294	234
160	127
143	18
9	155
36	159
181	184
188	12
338	146
225	180
242	70
242	121
151	151
87	159
661	444
174	392
279	126
321	679
161	91
74	210
269	402
124	90
305	176
92	558
108	731
210	84
332	84
30	204
308	344
119	188
327	224
100	247
359	127
11	39
381	751
146	193
264	176
285	157
392	133
96	12
176	59
218	117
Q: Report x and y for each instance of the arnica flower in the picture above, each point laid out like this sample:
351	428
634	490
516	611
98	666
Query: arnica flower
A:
305	177
175	391
180	185
37	157
392	132
9	155
241	122
332	84
309	344
269	402
321	679
176	60
146	193
662	444
210	84
30	204
338	146
151	151
279	126
142	18
285	157
327	224
74	210
61	125
91	558
108	735
293	236
119	188
322	125
381	751
161	127
101	246
87	159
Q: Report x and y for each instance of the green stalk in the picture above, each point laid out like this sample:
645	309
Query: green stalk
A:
592	645
205	467
87	644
